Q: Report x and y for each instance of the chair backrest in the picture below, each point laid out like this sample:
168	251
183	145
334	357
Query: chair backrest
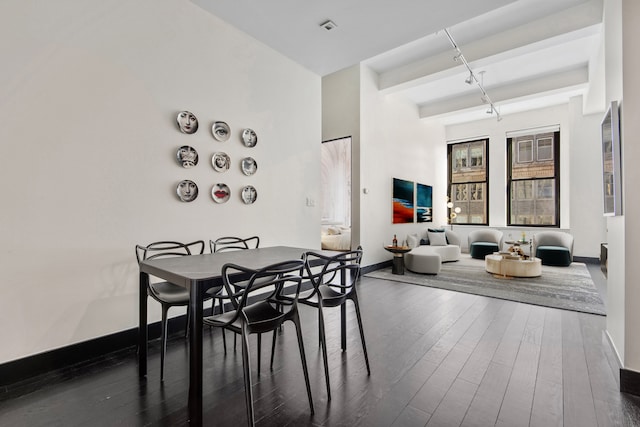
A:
168	249
337	271
486	235
553	238
452	238
265	285
223	244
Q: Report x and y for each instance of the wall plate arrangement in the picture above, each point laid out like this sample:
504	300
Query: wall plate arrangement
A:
248	166
221	131
220	193
187	190
248	194
249	138
187	122
187	156
220	162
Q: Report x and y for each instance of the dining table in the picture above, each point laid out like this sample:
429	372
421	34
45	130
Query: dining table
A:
197	273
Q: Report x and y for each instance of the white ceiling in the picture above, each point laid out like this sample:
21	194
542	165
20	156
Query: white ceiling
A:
533	53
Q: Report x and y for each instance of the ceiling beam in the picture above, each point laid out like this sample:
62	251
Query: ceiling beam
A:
576	22
552	82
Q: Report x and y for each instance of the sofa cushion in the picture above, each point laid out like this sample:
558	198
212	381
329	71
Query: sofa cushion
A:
554	255
447	253
426	263
437	238
479	250
413	241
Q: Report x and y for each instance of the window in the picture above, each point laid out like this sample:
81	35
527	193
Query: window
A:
534	179
525	151
468	182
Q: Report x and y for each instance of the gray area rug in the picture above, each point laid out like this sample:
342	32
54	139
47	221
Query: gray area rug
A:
568	288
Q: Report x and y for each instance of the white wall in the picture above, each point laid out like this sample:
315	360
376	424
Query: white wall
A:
580	171
616	315
89	93
631	174
395	143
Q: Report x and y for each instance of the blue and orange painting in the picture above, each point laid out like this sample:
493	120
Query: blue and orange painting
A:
424	203
402	201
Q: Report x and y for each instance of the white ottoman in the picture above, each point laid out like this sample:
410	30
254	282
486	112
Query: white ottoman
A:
423	261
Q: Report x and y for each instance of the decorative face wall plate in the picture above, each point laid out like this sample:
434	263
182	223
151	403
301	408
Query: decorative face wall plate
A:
249	194
248	166
220	193
187	190
220	162
221	131
187	122
249	137
187	156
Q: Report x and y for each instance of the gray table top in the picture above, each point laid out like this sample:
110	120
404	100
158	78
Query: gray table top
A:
207	268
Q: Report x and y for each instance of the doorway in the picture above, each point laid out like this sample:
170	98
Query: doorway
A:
336	194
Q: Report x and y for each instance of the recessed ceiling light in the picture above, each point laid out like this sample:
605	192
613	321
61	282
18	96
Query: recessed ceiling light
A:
328	25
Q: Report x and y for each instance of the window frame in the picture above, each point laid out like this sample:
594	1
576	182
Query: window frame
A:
535	191
452	148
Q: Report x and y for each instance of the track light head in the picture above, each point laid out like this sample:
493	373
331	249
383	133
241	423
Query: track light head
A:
469	79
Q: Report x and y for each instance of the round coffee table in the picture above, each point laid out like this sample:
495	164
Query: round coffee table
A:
398	258
505	266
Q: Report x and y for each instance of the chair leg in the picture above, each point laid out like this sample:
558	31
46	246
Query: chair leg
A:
186	329
364	345
224	331
246	364
323	346
296	321
273	348
163	339
259	352
224	340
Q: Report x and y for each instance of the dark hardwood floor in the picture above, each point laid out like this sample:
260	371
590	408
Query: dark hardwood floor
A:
438	358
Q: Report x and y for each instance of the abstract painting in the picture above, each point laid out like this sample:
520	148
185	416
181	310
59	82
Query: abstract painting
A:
402	201
424	203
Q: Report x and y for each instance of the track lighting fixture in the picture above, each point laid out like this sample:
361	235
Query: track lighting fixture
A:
472	77
469	79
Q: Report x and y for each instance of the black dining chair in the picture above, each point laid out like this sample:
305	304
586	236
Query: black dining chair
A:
259	308
230	243
334	283
168	294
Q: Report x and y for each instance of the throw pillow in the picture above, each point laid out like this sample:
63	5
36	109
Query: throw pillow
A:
424	241
412	241
436	230
437	238
333	231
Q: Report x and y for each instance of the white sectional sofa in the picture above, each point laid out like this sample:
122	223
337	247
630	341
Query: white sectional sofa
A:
431	249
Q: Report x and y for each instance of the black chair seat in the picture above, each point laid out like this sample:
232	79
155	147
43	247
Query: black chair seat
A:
169	293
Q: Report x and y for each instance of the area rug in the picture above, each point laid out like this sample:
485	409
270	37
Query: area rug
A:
568	288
